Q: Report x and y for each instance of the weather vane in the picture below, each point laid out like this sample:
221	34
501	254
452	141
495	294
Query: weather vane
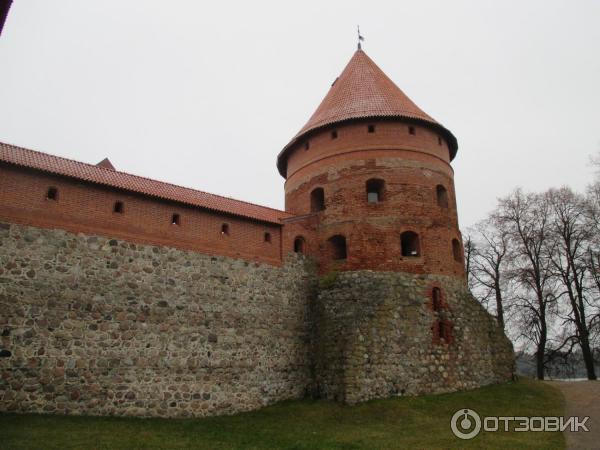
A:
360	37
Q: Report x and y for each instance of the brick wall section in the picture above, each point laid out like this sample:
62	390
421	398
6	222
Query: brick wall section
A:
106	326
409	202
389	135
85	207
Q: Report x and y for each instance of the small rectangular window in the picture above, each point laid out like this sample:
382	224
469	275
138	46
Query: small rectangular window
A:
306	145
334	134
225	229
317	200
52	193
267	237
118	208
371	128
411	130
374	190
175	220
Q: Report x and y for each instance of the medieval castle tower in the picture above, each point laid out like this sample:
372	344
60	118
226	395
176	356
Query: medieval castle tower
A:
124	295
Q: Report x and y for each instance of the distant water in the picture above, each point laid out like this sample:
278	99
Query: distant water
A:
565	379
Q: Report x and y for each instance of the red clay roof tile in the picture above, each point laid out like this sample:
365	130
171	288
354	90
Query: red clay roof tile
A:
109	177
106	164
363	90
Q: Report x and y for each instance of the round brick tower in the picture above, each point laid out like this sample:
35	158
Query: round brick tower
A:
371	192
372	171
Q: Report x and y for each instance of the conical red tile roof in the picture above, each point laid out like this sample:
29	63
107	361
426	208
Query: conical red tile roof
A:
363	91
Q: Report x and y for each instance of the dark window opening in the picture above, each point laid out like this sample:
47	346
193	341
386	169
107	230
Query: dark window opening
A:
409	242
371	128
411	130
337	247
439	140
299	244
118	208
375	190
52	194
456	251
443	331
442	196
334	134
225	229
317	200
267	237
306	145
175	220
436	299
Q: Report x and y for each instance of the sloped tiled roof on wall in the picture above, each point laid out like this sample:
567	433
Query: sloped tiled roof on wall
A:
109	177
363	90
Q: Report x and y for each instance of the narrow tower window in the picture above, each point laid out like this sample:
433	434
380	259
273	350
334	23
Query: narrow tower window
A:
337	247
411	130
334	134
436	299
299	244
52	193
439	140
175	219
409	243
306	145
317	200
375	190
444	331
267	237
118	207
225	229
371	128
442	196
456	251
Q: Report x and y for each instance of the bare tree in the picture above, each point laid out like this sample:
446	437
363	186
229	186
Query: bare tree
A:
488	259
593	261
525	217
572	236
469	247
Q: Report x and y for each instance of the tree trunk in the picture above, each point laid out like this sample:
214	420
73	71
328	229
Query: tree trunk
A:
588	357
539	357
499	307
541	348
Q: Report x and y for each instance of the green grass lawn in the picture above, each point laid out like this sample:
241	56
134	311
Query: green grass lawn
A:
410	422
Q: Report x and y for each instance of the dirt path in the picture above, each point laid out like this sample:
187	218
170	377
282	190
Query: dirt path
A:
582	399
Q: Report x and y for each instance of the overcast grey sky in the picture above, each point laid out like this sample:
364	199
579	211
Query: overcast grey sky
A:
205	94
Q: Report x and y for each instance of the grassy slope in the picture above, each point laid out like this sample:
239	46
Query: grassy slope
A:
411	422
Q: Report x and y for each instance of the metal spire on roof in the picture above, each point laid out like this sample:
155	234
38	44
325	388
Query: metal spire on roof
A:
360	38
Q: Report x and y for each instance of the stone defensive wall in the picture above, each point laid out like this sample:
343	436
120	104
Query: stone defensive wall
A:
96	325
384	334
103	326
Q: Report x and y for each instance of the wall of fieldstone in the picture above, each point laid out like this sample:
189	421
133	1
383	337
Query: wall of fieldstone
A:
103	326
91	325
376	337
